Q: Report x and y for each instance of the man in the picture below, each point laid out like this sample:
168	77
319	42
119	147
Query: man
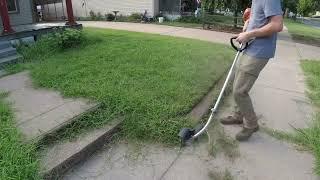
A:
198	10
265	22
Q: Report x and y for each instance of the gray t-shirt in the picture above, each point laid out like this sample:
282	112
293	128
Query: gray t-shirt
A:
261	10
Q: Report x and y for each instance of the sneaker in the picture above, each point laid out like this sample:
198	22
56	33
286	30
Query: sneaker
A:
246	133
235	119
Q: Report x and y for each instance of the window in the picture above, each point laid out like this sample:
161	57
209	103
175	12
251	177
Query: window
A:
12	6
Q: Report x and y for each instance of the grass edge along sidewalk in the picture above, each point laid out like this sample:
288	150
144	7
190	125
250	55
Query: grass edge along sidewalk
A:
310	137
17	159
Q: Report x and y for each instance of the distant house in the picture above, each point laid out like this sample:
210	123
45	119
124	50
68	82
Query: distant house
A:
82	8
125	7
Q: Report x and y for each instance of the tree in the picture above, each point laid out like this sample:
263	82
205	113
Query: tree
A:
235	5
291	5
316	5
305	7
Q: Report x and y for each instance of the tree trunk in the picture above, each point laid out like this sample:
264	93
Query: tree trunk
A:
235	20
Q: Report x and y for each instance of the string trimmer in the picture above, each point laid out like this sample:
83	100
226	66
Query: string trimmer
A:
187	134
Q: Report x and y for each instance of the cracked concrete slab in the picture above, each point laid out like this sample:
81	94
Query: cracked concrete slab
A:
39	111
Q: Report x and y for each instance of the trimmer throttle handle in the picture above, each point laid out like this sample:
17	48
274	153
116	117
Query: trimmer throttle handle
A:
242	46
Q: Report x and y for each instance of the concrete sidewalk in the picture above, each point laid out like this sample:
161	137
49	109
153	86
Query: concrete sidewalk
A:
279	98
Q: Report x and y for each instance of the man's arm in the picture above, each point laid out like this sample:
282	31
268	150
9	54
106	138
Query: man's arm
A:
275	25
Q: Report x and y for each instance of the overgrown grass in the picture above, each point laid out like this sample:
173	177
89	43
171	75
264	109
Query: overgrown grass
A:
303	33
151	80
17	160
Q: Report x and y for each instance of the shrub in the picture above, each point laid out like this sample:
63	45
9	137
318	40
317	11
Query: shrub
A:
109	17
50	44
99	16
68	38
189	19
93	15
122	18
134	17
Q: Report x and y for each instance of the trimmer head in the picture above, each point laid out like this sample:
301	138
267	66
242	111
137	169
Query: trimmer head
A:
186	134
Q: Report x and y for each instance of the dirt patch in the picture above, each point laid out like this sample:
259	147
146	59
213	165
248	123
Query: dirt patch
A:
306	40
227	29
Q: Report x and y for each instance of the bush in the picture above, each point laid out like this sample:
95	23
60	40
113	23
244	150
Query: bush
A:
134	17
109	17
99	16
84	18
68	38
93	15
189	19
122	18
47	45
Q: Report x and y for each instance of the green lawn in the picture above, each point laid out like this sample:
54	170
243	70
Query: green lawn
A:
151	80
303	33
17	160
311	136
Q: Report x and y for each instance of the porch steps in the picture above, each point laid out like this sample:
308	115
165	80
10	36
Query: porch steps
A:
60	157
10	59
4	44
8	54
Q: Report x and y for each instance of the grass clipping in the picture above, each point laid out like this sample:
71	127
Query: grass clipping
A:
220	175
219	142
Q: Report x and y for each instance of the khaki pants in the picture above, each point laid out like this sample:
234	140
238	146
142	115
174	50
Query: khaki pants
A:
246	73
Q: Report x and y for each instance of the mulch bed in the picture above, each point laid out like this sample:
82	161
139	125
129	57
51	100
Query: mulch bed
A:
227	29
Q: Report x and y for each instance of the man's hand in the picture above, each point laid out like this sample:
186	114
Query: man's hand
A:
243	37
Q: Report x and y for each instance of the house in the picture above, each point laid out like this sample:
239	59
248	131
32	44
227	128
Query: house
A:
22	12
19	11
17	22
82	8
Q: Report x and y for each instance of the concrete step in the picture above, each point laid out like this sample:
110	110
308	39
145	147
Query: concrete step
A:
10	59
59	158
10	51
2	72
40	112
5	44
